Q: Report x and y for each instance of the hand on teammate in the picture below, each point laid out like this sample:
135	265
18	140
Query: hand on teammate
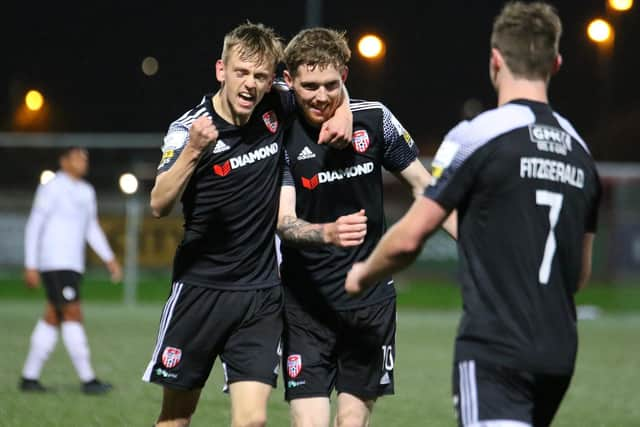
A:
202	133
348	230
32	278
337	131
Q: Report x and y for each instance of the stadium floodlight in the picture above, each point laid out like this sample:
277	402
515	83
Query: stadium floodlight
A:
128	183
46	176
371	46
34	100
600	31
620	5
150	66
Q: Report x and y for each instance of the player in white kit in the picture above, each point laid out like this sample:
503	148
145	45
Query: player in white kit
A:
63	217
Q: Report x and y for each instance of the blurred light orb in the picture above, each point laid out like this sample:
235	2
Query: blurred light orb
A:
46	176
621	5
599	30
150	66
34	100
371	46
128	183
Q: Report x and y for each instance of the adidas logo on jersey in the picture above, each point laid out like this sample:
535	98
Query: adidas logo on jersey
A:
220	147
306	154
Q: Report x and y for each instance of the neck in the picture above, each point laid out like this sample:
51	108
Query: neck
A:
71	175
534	90
224	110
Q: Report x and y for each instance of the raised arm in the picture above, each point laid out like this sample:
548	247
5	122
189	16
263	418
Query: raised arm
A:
170	184
338	130
399	247
417	178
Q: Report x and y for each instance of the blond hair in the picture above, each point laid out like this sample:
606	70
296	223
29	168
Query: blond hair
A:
317	47
254	42
528	35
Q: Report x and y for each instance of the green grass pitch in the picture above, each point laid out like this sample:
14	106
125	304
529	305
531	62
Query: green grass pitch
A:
604	391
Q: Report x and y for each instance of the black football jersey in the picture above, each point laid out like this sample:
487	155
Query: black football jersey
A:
526	190
330	183
230	204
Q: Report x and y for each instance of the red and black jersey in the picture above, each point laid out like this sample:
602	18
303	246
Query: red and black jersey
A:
526	190
330	183
230	204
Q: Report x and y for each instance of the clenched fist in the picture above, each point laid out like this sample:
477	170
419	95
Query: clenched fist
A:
202	133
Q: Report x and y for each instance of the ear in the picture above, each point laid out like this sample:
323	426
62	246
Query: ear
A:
220	70
345	73
288	78
557	64
497	61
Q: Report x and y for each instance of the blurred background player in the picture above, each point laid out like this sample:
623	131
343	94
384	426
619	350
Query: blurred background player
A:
527	193
332	340
222	160
62	219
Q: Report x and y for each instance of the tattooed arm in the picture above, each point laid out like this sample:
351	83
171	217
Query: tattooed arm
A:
347	230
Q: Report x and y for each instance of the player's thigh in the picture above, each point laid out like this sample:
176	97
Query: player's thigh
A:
61	287
249	403
252	349
309	362
366	351
194	326
490	395
177	406
353	411
310	412
550	390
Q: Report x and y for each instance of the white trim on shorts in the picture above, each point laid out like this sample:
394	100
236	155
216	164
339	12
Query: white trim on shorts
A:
469	400
499	423
167	313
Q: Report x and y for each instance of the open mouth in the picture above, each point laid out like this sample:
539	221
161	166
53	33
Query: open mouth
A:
246	99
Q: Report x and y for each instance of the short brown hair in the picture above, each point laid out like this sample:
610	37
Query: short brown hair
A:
527	35
255	42
317	47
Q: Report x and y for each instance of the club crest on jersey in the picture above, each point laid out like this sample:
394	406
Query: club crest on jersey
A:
360	141
271	121
171	357
223	169
294	365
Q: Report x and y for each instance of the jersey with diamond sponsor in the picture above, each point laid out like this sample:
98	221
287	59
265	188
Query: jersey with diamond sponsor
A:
230	204
330	183
526	190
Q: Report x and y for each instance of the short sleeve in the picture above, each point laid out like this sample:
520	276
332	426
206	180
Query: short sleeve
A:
174	142
399	148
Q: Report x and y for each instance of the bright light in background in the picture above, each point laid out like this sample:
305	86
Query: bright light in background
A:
128	183
371	46
46	176
150	66
621	5
34	100
599	31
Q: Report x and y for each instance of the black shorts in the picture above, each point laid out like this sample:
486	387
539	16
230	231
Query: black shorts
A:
484	393
198	324
61	286
352	351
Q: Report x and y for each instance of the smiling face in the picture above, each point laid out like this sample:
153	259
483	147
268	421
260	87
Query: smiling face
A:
244	81
318	90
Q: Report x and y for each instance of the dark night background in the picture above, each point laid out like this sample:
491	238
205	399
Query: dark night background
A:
86	60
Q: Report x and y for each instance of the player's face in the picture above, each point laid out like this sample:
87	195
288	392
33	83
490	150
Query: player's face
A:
244	84
76	163
318	91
